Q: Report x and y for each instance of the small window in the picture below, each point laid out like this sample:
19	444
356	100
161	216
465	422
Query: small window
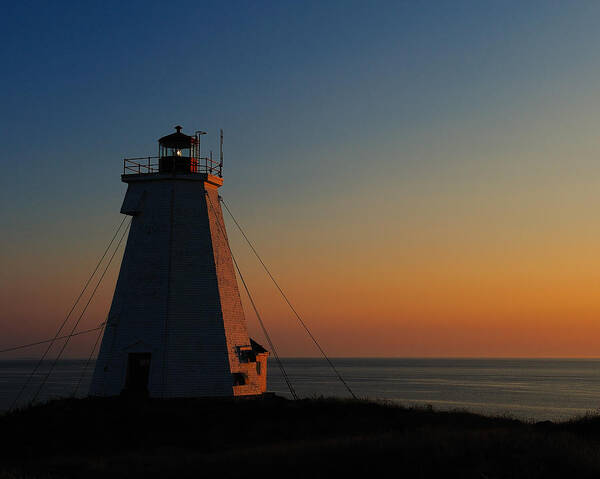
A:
258	366
245	354
239	379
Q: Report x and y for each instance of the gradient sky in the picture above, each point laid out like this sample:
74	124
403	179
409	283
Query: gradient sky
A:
422	177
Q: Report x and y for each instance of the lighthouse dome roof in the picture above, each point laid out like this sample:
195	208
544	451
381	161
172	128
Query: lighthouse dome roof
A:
177	139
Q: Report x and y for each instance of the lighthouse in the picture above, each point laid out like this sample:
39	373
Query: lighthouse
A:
176	327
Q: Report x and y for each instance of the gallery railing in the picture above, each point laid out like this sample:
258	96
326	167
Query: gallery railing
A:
171	164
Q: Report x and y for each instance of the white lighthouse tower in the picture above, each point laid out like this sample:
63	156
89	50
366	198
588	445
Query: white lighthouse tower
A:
176	326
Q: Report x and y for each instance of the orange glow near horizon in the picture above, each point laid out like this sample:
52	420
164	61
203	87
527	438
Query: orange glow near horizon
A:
394	282
433	285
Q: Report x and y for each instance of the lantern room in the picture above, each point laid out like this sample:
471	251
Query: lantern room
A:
178	153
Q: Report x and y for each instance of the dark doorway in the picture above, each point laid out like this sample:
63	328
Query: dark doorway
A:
239	379
138	370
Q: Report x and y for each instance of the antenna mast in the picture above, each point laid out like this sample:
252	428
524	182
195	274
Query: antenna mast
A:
221	152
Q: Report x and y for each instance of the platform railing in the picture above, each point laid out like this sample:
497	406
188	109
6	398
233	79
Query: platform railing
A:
151	164
208	165
138	166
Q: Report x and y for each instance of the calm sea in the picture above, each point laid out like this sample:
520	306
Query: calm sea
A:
537	389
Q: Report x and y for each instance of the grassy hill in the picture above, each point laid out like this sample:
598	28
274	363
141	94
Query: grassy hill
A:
118	438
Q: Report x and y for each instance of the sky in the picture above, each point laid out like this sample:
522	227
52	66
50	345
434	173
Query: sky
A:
421	177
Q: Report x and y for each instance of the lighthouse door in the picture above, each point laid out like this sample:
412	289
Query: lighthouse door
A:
138	370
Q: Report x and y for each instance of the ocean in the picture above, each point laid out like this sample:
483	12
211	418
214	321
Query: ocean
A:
531	389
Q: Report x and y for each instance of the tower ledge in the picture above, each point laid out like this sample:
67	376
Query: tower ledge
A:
212	180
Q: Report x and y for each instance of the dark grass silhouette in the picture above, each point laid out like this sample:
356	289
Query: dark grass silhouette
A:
270	437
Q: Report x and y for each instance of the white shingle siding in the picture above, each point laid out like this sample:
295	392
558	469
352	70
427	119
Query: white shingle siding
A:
176	295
